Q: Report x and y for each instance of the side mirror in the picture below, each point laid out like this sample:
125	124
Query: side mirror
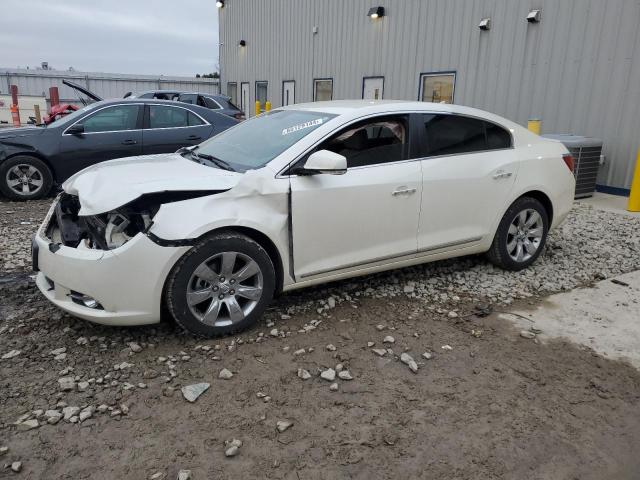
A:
75	129
325	161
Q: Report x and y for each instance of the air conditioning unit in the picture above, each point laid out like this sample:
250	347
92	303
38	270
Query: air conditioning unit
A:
587	157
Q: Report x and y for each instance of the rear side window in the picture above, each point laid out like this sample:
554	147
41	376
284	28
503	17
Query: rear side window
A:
194	120
210	103
456	134
497	137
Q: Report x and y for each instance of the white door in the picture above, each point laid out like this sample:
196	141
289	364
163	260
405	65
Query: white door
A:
464	193
244	99
373	88
370	214
288	93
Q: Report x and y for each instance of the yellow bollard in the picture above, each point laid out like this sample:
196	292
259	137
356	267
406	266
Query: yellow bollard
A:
36	112
634	195
267	106
257	107
535	126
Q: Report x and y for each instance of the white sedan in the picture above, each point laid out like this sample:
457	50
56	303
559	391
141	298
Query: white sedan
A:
302	195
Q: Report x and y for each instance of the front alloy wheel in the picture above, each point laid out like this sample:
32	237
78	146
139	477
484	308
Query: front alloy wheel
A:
221	286
224	289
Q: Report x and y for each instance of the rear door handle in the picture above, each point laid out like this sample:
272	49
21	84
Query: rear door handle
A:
403	191
193	137
501	174
129	142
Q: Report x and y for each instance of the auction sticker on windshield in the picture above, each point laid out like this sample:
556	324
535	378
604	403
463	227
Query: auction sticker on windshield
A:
302	126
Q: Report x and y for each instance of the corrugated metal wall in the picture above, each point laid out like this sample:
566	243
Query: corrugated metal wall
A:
578	70
105	85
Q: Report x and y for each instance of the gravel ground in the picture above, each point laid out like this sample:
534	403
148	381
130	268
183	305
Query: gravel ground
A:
486	403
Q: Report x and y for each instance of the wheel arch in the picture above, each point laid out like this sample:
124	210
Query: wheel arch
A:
36	155
544	199
262	239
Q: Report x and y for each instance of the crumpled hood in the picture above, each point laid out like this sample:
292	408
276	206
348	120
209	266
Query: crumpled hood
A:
106	186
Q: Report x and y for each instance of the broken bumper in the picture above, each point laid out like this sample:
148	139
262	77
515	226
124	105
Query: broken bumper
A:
126	283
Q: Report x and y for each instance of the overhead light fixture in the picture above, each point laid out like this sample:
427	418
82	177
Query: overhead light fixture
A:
242	43
220	3
533	16
376	12
485	24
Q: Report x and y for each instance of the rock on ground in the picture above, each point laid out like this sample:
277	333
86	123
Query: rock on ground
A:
192	392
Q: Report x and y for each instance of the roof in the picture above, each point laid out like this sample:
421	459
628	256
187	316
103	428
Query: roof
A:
342	107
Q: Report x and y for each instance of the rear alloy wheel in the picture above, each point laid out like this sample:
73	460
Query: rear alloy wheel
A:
25	178
221	286
521	235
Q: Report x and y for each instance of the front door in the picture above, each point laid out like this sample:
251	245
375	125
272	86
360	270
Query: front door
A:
288	93
367	215
111	132
372	88
244	99
468	173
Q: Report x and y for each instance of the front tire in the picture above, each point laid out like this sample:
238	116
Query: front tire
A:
521	235
25	178
221	286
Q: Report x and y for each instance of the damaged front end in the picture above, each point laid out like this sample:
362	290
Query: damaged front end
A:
109	230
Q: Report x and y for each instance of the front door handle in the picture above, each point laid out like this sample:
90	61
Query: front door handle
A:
403	191
501	174
129	142
194	137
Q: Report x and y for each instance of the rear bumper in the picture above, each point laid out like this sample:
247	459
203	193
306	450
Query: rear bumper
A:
127	282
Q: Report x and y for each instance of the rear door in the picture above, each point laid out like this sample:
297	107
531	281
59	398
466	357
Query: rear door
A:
168	128
109	132
468	171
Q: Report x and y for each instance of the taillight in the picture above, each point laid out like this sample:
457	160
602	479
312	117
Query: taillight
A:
568	159
239	116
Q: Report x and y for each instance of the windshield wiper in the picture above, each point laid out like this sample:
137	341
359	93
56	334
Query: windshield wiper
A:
216	161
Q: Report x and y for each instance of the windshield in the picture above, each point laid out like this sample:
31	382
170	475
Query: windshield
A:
255	142
68	119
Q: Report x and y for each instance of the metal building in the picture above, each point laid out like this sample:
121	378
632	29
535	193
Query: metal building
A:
36	82
574	64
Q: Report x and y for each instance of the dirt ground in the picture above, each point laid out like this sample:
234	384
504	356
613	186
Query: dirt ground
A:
495	406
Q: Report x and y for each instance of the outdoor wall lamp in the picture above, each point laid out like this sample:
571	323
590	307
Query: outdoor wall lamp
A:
533	16
220	3
242	43
485	24
376	12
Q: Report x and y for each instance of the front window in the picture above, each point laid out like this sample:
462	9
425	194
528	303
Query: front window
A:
371	142
112	119
254	143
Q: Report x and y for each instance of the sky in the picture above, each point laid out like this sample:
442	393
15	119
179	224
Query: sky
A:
155	37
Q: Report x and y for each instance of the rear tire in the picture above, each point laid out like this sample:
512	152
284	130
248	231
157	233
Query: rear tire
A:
25	178
521	235
221	286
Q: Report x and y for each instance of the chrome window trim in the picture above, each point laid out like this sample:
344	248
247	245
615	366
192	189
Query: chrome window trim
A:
98	110
281	174
176	106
